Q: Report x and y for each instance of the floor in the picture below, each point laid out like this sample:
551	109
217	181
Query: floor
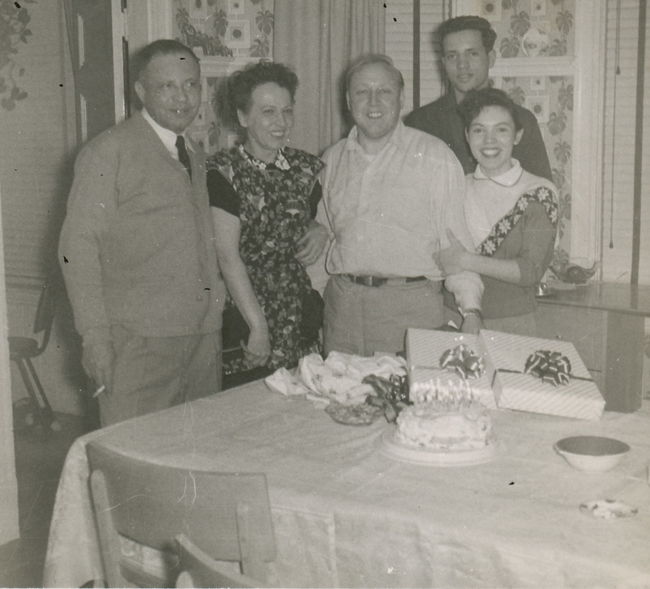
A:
39	460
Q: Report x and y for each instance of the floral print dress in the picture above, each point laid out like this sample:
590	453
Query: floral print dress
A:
275	204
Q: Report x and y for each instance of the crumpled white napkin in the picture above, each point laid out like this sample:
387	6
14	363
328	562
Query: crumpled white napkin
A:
337	378
286	382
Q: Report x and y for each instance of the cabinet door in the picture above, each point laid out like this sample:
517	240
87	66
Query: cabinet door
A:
624	353
93	60
609	342
586	329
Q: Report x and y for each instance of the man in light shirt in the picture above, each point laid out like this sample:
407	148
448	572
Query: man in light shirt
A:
137	249
390	195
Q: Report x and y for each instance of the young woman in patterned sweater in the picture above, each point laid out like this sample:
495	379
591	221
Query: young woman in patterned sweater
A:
511	214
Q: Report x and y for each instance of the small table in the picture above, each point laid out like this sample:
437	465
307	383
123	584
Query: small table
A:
606	323
345	514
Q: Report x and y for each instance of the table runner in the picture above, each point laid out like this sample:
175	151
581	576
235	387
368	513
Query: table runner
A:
347	515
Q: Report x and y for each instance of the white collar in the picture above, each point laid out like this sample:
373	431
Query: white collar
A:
280	161
167	136
353	140
508	178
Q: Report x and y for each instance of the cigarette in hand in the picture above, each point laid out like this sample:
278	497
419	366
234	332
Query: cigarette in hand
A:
99	391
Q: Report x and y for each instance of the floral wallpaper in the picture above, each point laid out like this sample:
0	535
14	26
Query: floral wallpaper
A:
207	129
531	29
225	28
550	99
14	30
225	35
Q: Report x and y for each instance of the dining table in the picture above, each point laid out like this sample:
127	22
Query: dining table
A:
346	513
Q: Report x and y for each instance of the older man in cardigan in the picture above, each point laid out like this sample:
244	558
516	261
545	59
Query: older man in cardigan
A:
137	251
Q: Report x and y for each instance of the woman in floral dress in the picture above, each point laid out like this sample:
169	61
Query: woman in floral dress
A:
264	196
511	214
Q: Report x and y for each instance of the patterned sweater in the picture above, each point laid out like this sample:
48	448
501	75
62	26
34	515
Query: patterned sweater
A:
513	217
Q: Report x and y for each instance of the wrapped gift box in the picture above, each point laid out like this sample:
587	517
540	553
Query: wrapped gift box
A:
424	347
505	359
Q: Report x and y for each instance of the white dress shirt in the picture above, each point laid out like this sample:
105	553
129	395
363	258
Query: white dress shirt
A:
388	214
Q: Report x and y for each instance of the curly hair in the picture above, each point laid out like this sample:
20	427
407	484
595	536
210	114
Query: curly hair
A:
471	23
476	100
235	94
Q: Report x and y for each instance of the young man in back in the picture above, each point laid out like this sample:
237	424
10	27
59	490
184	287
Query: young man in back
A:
467	55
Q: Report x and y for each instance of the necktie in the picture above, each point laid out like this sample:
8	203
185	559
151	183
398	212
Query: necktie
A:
183	156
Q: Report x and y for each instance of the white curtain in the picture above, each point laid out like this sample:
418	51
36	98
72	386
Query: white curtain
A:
318	39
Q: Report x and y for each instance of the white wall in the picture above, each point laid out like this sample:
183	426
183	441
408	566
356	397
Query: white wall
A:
37	140
8	484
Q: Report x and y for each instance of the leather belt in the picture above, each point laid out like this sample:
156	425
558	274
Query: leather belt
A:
382	280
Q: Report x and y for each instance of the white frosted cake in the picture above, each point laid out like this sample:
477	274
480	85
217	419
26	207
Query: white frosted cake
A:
444	417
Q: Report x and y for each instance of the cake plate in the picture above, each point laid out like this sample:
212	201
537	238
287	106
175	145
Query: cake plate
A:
390	447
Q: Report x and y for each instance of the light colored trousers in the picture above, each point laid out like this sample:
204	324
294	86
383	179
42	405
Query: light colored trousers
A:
363	320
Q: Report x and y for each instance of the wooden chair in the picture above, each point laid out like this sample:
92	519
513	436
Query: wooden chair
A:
199	570
227	515
23	349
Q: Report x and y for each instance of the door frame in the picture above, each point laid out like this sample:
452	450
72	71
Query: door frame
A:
9	529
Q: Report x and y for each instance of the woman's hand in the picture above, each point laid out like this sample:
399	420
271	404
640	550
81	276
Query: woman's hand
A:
258	349
227	232
451	259
312	244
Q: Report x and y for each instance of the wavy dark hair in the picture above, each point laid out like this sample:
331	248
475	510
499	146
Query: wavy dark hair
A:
469	23
235	93
476	100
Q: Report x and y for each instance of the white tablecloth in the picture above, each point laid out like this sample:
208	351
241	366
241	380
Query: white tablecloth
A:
347	515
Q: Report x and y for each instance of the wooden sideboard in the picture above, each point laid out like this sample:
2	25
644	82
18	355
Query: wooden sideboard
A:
606	323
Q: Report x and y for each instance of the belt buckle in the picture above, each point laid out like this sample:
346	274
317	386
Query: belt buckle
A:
372	281
365	280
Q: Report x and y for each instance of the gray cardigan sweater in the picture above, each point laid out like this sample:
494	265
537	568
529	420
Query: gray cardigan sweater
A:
137	245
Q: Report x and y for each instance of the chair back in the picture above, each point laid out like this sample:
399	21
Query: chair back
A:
199	570
151	504
45	311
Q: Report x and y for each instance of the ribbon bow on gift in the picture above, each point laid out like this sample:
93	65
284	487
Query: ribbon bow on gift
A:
551	367
462	361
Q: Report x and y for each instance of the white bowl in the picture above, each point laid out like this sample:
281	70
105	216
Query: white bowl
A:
592	453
